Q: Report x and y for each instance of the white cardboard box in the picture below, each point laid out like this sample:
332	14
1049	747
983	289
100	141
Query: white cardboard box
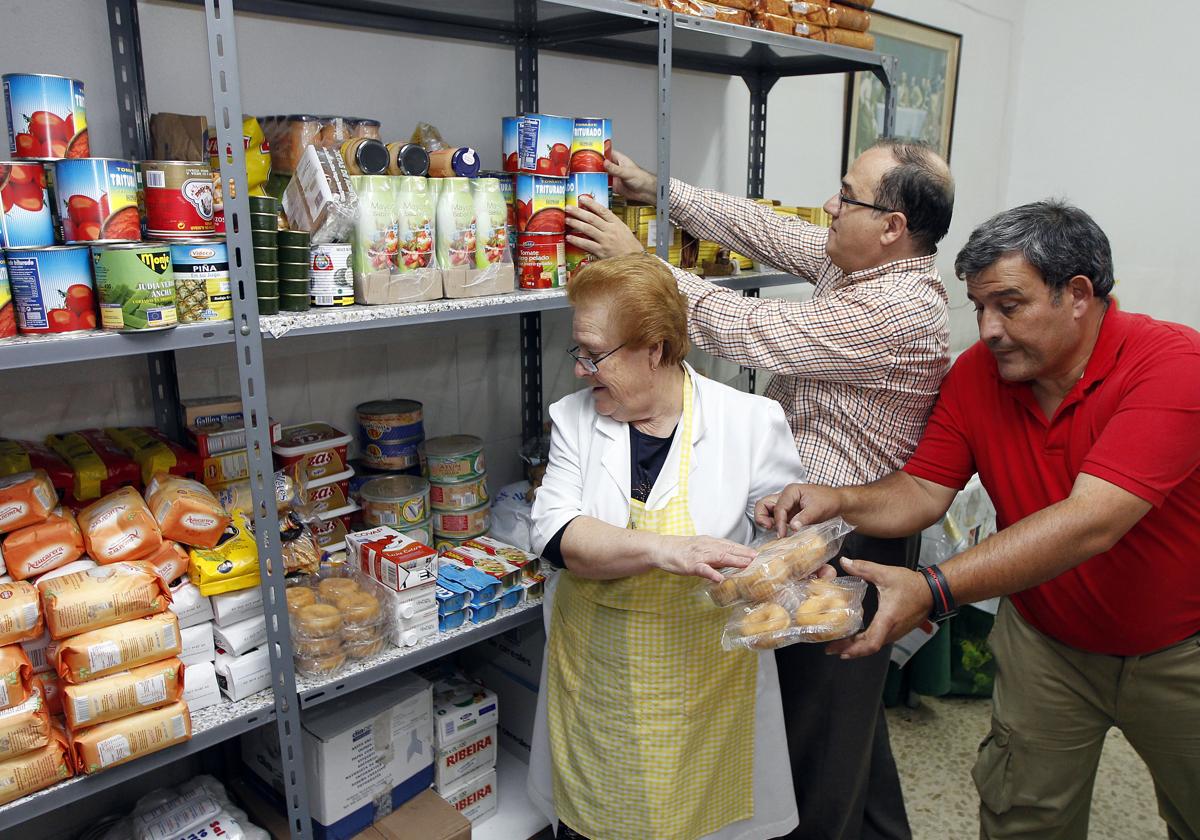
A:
241	636
359	752
231	607
197	644
461	707
518	651
241	676
465	758
408	603
391	558
475	797
200	689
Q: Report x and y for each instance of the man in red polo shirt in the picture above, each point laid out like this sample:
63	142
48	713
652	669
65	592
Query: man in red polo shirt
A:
1083	423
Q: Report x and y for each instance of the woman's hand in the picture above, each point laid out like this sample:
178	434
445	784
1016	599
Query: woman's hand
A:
701	556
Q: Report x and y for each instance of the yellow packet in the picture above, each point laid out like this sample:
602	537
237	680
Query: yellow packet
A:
231	565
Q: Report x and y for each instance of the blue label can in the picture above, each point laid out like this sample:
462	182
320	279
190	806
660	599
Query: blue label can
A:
26	221
47	118
52	288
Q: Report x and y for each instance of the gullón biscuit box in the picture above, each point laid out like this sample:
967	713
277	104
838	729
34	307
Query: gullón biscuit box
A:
465	758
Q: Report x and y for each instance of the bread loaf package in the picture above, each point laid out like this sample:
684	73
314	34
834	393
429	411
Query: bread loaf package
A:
37	769
99	465
102	596
779	561
51	688
25	499
155	453
119	527
844	17
20	613
24	727
116	742
170	561
816	13
16	676
849	38
46	545
126	693
775	7
775	23
119	647
186	511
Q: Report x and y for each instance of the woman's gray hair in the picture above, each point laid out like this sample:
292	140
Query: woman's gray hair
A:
1058	239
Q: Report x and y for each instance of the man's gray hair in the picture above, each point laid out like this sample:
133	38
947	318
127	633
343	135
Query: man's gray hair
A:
1058	239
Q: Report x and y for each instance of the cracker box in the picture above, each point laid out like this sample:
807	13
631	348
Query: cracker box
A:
391	558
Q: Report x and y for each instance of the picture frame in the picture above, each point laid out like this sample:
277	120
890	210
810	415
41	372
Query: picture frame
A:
926	86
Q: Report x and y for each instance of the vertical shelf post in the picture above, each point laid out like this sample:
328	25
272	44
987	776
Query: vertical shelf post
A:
227	106
526	55
886	73
662	227
760	83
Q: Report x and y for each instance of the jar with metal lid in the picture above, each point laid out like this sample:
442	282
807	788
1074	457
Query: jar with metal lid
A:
407	159
365	156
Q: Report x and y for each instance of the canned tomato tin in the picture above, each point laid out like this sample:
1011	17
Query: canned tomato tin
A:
136	286
591	143
97	200
541	260
453	457
539	204
52	289
508	144
458	495
202	291
543	144
179	198
8	320
462	524
46	116
398	499
26	221
330	275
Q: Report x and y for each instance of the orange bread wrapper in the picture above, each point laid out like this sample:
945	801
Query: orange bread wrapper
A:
186	511
16	675
126	693
20	613
24	727
103	596
28	772
119	527
25	499
120	647
51	688
116	742
36	549
170	561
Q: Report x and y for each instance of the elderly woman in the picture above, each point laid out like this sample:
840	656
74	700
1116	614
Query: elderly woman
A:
653	731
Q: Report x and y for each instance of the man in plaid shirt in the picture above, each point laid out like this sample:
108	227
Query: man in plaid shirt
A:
857	369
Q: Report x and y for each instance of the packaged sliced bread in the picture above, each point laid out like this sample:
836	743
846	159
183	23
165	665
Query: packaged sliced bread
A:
186	511
119	527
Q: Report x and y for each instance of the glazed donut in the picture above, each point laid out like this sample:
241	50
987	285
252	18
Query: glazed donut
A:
838	596
765	618
361	650
316	621
358	608
330	589
300	596
724	593
759	581
319	665
364	632
800	553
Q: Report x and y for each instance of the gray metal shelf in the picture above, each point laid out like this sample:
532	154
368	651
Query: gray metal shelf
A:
395	661
34	350
210	727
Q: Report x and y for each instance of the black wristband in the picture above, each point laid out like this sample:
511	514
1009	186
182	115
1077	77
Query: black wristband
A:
943	600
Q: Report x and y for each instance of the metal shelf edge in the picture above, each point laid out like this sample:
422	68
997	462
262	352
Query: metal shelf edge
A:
35	350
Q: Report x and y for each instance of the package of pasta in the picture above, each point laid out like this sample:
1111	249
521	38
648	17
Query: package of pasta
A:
98	464
775	23
116	742
154	452
25	726
119	527
230	565
813	610
103	596
129	692
31	771
781	561
25	499
186	511
16	676
46	545
51	688
18	456
774	7
20	613
118	647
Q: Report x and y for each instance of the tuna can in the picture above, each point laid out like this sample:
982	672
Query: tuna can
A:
541	260
422	532
52	289
458	495
136	287
591	144
539	204
46	116
443	544
202	290
179	198
330	276
389	421
97	200
26	221
392	500
462	525
453	457
8	320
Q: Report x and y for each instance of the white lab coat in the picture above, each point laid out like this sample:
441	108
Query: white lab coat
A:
742	450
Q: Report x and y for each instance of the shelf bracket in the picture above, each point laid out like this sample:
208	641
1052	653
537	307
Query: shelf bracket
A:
252	381
889	67
760	83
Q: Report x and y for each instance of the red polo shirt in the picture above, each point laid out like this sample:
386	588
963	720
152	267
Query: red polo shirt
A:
1132	420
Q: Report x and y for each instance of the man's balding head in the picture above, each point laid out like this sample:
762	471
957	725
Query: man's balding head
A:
921	187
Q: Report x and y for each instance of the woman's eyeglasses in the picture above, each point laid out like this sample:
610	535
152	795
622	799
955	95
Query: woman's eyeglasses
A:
590	364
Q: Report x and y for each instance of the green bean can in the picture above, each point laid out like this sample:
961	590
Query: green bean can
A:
136	286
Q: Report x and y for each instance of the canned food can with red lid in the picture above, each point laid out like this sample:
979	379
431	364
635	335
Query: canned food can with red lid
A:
8	318
541	260
539	204
179	199
591	144
98	200
46	116
26	221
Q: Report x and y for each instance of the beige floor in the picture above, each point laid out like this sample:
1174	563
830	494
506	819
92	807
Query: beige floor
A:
935	748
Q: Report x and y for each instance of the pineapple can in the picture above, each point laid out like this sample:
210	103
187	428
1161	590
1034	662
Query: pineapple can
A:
202	290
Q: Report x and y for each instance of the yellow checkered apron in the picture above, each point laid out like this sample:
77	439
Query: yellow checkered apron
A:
651	722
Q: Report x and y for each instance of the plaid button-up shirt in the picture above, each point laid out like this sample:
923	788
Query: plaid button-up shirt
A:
857	367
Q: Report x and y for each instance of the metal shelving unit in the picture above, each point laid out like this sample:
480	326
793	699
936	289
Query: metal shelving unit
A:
618	30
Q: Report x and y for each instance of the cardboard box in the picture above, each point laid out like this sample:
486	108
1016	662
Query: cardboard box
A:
391	558
197	644
461	707
520	707
475	797
464	758
490	564
518	651
208	411
359	751
241	676
231	607
428	817
381	287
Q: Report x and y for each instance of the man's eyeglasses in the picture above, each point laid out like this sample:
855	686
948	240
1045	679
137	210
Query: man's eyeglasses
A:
844	199
590	364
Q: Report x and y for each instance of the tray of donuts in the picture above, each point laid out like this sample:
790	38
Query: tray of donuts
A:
337	617
812	610
779	563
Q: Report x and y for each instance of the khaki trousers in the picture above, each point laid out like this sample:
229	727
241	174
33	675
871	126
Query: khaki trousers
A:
1052	707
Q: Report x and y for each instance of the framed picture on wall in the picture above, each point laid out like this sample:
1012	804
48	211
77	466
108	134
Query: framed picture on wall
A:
926	84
